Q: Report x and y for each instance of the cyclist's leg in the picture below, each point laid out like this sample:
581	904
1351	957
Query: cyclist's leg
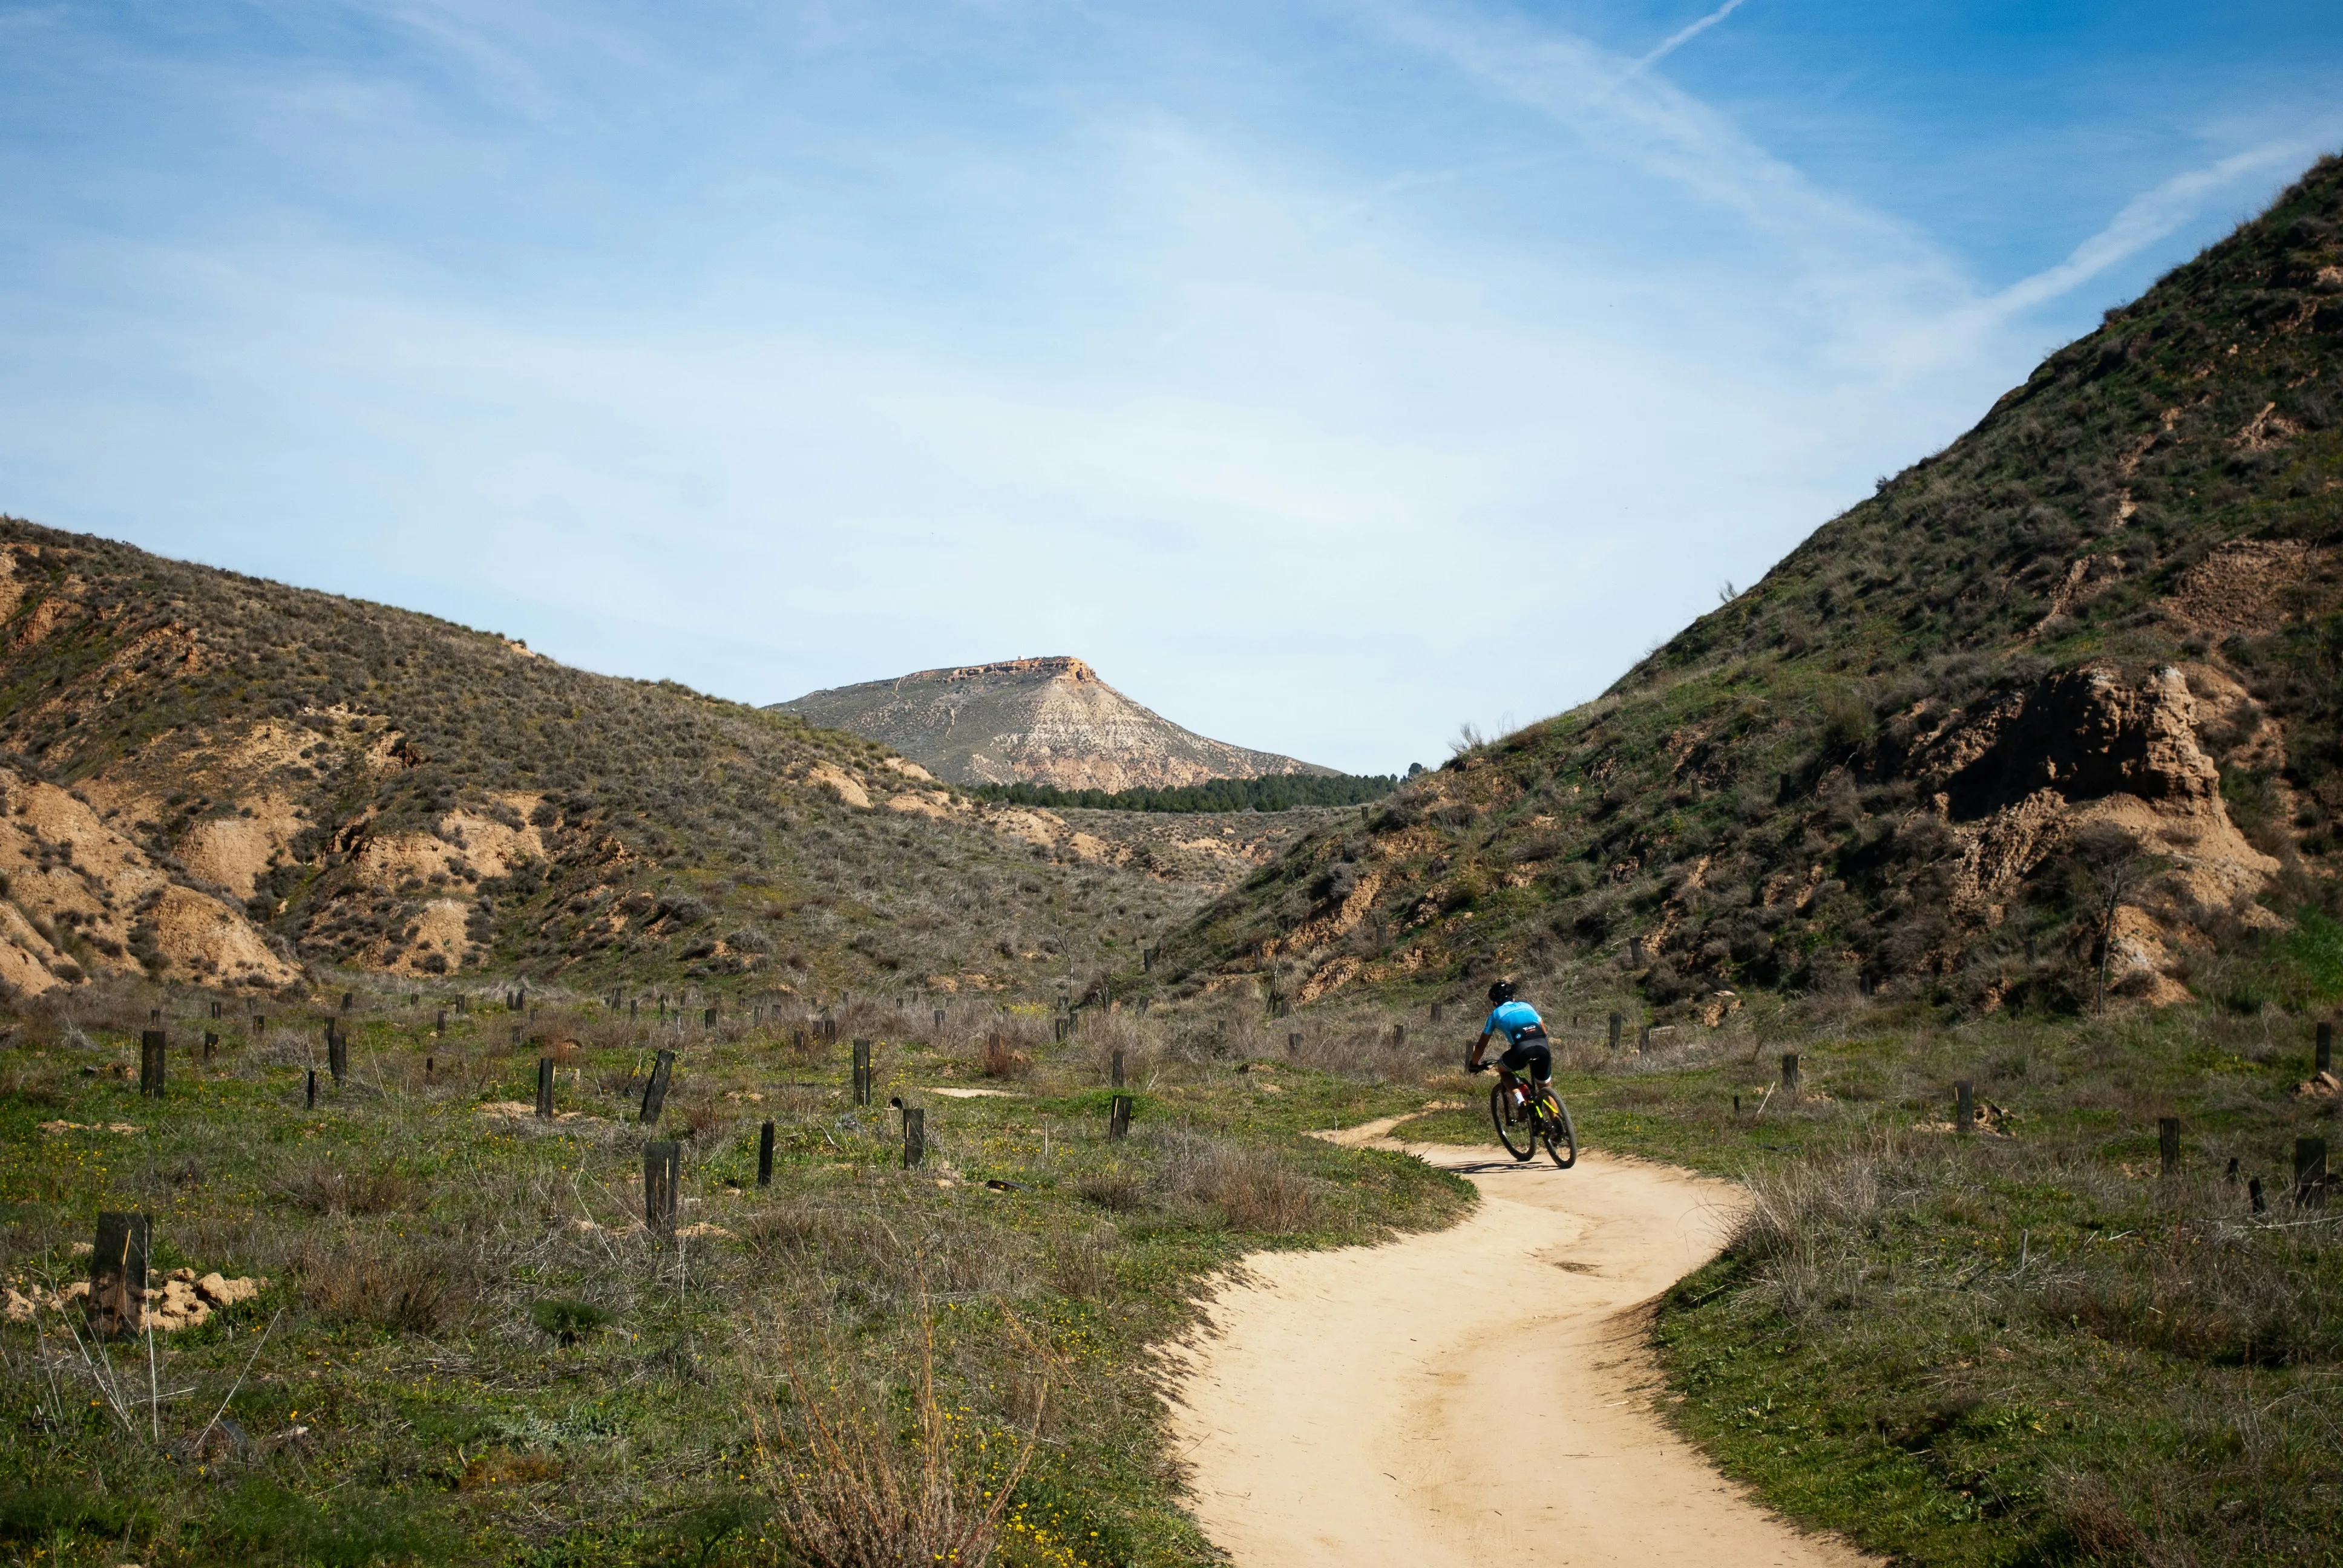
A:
1509	1068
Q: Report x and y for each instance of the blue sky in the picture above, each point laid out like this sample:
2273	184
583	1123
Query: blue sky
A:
1327	374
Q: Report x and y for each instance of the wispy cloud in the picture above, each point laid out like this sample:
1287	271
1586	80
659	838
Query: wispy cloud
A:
1685	34
2150	217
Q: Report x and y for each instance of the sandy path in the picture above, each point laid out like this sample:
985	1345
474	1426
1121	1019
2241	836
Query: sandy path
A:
1471	1396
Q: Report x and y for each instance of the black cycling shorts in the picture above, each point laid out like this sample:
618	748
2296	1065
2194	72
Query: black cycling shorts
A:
1532	1054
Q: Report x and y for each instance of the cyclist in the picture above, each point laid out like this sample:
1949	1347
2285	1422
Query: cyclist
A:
1526	1042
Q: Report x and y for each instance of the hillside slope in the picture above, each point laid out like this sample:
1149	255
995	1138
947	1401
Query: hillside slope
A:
1032	722
214	778
2059	701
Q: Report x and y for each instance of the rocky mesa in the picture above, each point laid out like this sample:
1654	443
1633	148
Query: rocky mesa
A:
1032	722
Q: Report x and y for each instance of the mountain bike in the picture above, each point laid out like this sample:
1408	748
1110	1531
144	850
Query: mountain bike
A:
1530	1114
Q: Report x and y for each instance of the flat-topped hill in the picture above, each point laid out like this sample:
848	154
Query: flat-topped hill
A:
1032	722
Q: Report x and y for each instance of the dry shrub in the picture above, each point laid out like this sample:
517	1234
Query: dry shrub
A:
1082	1268
1804	1228
388	1282
1116	1189
2201	1293
1253	1188
889	1257
2097	1525
1791	1207
324	1190
997	1060
700	1113
851	1490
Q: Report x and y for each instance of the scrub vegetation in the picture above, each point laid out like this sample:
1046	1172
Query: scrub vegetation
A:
471	1348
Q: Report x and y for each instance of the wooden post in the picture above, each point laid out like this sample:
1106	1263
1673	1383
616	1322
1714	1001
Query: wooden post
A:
439	1022
349	1000
1634	952
1118	1067
1146	959
634	1008
2254	1196
216	1010
259	1026
2167	1142
940	1021
313	1089
118	1276
1790	1073
1643	1039
765	1155
338	1054
2309	1171
1963	1106
545	1088
211	1043
1117	1116
2323	1057
1618	1023
430	1065
1292	1045
711	1022
655	1091
1399	1034
862	1073
153	1049
662	1174
1435	1013
915	1136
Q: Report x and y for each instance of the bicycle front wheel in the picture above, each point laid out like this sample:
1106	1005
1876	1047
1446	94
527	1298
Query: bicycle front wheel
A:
1516	1130
1557	1131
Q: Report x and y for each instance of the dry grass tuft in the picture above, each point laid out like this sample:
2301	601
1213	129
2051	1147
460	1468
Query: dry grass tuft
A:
998	1060
389	1282
1254	1189
324	1190
851	1490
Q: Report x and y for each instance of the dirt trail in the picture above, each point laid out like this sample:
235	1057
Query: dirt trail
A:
1471	1396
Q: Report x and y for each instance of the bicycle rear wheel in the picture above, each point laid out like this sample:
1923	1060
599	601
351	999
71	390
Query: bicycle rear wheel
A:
1517	1130
1556	1130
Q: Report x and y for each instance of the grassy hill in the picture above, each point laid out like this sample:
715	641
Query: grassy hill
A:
216	780
2055	710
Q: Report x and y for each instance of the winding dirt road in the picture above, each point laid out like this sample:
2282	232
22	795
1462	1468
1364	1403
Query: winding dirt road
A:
1473	1396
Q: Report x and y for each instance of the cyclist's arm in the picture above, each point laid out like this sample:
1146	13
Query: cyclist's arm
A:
1480	1049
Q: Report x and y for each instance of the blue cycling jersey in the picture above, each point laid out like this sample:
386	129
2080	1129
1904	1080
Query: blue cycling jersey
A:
1513	1019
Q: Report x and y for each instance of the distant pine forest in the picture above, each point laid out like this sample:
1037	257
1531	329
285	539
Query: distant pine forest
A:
1271	792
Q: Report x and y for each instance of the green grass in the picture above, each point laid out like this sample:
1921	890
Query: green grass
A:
446	1366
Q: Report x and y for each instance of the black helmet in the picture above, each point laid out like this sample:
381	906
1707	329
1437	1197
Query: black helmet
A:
1500	993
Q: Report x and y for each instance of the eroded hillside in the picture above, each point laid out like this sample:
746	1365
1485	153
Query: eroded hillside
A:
213	778
2056	704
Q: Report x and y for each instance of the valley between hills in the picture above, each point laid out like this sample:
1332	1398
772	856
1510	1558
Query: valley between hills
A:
1964	892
